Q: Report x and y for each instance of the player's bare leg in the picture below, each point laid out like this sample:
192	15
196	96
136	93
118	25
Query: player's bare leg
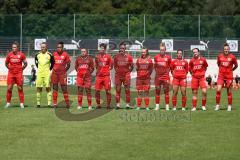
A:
174	97
184	98
49	96
89	98
229	93
157	97
55	94
65	95
204	98
166	93
21	95
80	97
218	97
118	95
9	95
127	94
194	99
39	92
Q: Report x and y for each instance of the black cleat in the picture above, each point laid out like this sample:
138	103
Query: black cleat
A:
38	106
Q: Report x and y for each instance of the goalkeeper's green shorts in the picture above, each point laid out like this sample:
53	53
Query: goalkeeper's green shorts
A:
43	81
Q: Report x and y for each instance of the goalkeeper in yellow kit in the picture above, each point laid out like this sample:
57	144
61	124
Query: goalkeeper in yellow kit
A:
44	62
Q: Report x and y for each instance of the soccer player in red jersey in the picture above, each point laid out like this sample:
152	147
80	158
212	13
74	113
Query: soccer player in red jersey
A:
162	62
227	63
104	64
84	66
123	65
16	63
59	74
179	70
144	67
197	67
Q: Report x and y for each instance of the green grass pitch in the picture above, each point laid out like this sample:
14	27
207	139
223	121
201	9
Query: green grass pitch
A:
33	133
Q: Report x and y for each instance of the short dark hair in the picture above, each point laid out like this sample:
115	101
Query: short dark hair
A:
196	49
16	43
179	50
225	44
103	45
61	42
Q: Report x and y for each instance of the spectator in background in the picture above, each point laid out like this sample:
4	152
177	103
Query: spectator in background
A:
237	78
209	81
33	76
214	81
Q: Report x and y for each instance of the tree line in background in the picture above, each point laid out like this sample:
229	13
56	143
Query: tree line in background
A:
109	18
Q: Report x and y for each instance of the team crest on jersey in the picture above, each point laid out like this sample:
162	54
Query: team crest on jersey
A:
105	59
62	57
201	62
18	56
165	59
229	59
183	63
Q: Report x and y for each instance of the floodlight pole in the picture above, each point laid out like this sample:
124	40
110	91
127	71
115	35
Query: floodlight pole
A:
74	30
199	27
21	32
144	26
128	26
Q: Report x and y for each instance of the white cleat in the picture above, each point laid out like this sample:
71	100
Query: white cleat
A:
174	108
217	108
194	109
21	105
183	109
156	108
229	108
138	108
90	108
204	108
79	107
167	107
147	109
7	105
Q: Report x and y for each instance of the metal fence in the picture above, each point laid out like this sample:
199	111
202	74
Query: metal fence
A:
152	28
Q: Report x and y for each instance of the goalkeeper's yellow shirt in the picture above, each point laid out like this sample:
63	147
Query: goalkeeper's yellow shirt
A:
44	63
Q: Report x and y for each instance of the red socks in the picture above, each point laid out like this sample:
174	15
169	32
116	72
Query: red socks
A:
218	96
9	96
184	101
21	96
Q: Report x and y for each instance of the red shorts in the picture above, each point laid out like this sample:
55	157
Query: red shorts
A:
226	81
198	82
125	80
15	79
59	78
182	82
162	82
84	82
103	82
143	84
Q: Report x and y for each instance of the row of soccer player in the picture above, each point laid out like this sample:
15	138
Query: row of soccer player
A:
59	63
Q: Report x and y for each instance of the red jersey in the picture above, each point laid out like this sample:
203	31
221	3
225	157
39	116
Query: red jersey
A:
162	66
84	66
198	67
144	67
123	64
179	68
60	62
14	62
103	64
225	64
